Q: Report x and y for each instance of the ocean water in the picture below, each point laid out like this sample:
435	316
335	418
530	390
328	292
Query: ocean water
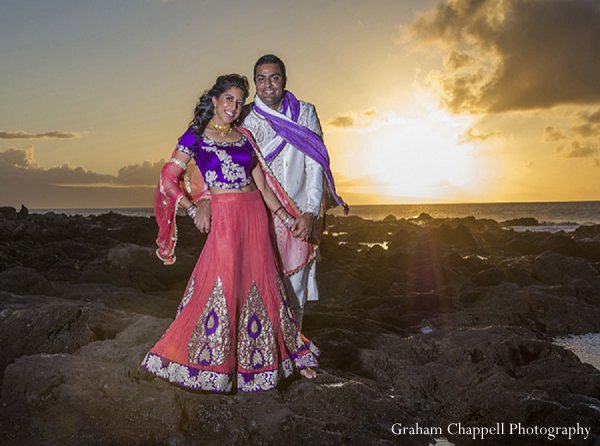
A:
565	212
586	347
555	216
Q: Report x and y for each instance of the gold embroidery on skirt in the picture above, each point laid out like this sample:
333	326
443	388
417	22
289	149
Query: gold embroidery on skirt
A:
187	296
291	335
256	343
210	341
281	288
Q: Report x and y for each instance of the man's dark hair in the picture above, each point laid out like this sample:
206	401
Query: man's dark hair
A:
270	58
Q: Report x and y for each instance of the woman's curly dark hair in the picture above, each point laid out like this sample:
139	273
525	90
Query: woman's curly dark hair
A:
204	108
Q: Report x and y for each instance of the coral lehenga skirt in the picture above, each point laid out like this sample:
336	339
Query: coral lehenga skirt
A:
233	326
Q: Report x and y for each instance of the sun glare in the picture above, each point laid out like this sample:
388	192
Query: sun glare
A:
415	157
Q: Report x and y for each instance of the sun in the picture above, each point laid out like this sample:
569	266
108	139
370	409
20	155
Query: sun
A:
422	159
413	157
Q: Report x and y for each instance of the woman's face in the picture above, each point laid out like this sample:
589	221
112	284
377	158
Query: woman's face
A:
228	106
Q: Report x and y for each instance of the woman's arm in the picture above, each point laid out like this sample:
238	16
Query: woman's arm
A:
270	198
171	175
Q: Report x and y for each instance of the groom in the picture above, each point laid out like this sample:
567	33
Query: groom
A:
289	136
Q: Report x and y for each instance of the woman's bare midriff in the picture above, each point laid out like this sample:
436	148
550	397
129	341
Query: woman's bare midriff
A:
220	190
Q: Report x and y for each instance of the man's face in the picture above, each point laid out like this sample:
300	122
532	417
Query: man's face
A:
269	84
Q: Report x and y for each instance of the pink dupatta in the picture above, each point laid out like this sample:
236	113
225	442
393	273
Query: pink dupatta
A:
175	182
294	254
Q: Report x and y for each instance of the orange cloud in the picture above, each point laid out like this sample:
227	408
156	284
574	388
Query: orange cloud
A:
20	134
24	181
513	54
590	117
361	119
582	139
475	135
341	121
580	150
552	135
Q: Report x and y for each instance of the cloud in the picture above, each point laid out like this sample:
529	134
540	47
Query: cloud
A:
585	130
457	60
513	54
140	174
355	119
341	121
17	157
362	119
474	135
582	138
580	150
21	163
590	117
587	125
145	174
553	135
24	181
370	113
20	134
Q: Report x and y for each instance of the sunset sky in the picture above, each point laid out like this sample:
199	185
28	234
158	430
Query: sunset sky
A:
420	101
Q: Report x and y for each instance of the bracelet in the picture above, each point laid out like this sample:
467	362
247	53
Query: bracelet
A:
191	210
178	162
289	222
278	209
286	219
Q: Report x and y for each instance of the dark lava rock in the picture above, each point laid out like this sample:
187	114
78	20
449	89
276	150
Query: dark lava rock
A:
75	326
46	327
566	245
553	268
588	233
526	221
490	276
22	281
522	245
8	212
423	216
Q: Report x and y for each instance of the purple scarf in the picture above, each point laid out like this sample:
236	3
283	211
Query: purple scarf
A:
301	138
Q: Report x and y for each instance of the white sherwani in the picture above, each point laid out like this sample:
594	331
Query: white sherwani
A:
302	178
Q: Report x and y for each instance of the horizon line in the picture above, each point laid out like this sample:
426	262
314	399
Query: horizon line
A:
362	204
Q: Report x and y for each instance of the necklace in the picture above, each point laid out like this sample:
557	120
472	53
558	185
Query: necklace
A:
222	130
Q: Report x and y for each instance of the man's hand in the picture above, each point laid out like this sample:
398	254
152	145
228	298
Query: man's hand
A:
203	214
303	226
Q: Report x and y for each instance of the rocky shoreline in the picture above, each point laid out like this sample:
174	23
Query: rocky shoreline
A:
452	323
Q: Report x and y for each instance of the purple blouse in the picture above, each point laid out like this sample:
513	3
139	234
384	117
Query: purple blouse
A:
222	164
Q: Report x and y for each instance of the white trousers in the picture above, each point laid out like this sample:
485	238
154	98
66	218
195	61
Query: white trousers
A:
301	287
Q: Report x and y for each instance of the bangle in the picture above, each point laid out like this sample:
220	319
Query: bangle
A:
286	219
289	222
191	210
278	209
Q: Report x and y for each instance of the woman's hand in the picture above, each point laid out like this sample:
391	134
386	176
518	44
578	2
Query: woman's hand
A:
203	215
303	226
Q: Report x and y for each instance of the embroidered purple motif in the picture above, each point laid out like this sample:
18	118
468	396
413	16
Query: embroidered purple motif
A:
223	164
